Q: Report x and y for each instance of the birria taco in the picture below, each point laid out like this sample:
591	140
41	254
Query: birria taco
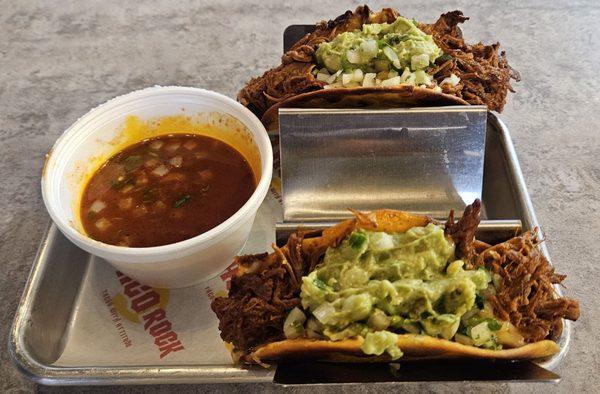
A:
388	285
382	60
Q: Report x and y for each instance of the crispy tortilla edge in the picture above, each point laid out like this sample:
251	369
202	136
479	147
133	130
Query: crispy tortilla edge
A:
404	96
413	346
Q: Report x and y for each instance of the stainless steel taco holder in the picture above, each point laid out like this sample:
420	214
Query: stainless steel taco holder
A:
51	298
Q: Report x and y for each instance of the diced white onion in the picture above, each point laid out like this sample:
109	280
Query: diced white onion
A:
369	48
205	175
353	56
173	177
452	80
156	145
405	74
189	144
126	203
369	79
334	76
346	79
201	155
151	162
381	241
391	82
97	206
126	189
390	54
422	78
323	77
437	89
102	224
160	170
481	333
324	312
176	161
139	211
142	179
313	324
419	61
357	75
159	205
173	147
293	327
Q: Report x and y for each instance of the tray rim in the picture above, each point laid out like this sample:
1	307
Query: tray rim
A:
159	374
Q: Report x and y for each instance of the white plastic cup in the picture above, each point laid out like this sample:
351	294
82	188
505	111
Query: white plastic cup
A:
176	265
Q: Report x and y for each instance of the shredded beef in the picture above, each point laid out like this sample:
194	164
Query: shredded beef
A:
484	72
278	84
266	288
258	302
525	295
463	231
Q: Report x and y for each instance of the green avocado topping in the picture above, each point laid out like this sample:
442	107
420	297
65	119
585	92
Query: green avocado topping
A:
379	54
377	285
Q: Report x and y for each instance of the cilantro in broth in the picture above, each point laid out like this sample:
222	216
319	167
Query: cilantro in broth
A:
182	201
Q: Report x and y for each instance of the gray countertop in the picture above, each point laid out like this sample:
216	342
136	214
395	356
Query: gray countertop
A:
59	59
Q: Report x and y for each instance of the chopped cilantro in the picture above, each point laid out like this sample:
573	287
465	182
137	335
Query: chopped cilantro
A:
444	58
357	240
132	162
119	183
479	300
493	324
182	201
320	284
148	196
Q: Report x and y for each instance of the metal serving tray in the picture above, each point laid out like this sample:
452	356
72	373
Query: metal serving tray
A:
49	320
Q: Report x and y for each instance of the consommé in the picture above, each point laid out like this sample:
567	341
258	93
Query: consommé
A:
165	190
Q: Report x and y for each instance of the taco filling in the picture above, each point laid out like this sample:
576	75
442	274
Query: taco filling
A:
382	60
389	283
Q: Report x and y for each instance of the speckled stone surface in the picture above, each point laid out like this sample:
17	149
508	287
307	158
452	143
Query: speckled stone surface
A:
59	59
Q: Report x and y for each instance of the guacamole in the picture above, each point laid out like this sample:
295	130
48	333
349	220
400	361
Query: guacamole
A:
377	285
397	52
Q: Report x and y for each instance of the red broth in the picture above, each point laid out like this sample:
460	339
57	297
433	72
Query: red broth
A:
165	190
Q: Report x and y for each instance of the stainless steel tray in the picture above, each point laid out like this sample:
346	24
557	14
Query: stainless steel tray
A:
47	314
